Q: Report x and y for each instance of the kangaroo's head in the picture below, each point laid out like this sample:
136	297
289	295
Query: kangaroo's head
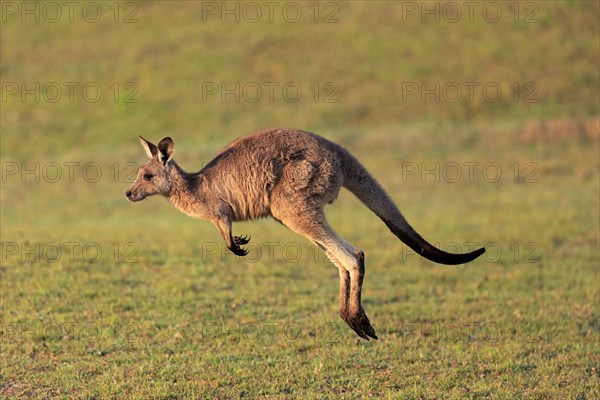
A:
153	177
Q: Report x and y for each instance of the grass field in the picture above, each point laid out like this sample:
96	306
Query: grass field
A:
101	298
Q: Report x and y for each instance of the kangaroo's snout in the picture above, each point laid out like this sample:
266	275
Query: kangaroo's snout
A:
132	197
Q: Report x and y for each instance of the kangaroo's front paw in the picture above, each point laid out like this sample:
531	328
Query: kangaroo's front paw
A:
238	251
240	240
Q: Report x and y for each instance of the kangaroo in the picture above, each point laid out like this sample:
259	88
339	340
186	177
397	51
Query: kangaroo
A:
289	175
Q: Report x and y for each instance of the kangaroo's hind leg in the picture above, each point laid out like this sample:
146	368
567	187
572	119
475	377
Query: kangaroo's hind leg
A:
351	281
346	257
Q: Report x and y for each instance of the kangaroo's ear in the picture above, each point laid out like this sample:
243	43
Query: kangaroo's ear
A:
151	150
166	148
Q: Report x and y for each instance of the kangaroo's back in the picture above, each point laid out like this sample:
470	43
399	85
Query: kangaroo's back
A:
254	170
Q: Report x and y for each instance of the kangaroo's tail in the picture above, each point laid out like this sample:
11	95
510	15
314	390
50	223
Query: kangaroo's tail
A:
358	180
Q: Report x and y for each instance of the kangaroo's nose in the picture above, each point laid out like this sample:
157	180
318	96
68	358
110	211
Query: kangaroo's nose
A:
128	193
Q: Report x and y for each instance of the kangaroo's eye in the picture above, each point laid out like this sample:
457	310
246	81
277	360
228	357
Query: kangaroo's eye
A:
148	177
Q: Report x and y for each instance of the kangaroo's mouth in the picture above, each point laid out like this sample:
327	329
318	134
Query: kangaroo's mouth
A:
133	197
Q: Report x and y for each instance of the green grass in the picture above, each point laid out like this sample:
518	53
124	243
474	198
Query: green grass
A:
163	311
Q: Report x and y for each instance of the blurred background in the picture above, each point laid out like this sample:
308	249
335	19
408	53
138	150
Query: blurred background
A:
480	118
80	82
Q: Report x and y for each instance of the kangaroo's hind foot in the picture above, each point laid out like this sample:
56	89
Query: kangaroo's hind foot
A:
359	322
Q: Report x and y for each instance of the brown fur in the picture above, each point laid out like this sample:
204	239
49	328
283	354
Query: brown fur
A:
289	175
